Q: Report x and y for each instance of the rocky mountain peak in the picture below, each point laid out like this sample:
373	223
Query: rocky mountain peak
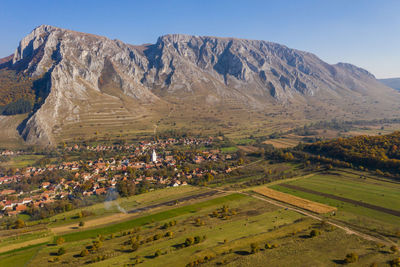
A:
78	68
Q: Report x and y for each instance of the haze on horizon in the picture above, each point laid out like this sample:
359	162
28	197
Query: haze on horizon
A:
364	33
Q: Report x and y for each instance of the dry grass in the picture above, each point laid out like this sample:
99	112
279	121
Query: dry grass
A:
295	201
282	143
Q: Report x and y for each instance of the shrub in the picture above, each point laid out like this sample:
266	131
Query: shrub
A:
189	241
395	262
157	253
351	257
81	223
254	248
315	232
135	246
394	249
268	246
97	244
169	234
60	240
61	251
157	236
197	239
84	253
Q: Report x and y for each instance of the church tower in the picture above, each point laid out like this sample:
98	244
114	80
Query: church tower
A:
154	156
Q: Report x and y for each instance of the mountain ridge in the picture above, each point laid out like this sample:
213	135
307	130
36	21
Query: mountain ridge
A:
136	80
391	82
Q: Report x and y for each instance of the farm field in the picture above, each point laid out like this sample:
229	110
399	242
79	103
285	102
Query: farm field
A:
295	201
21	161
353	197
44	230
128	203
226	225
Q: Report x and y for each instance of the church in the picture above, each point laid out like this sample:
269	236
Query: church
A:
154	156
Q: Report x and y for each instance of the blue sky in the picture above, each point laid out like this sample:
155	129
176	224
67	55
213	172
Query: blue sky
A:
363	32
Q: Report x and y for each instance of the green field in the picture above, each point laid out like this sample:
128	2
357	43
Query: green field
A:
19	257
150	218
21	161
227	241
376	192
127	203
228	235
380	193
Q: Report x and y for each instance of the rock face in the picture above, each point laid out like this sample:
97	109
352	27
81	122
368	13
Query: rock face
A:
73	67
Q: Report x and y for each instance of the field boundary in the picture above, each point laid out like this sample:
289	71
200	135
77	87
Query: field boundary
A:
295	201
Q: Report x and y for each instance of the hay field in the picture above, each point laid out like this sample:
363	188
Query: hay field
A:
295	201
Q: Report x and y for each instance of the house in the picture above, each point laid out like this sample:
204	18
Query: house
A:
26	200
45	184
100	191
7	192
20	207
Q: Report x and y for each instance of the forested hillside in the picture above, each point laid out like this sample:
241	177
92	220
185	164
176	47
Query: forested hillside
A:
380	153
16	93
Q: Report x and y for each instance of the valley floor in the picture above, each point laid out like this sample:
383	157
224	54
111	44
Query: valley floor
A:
225	223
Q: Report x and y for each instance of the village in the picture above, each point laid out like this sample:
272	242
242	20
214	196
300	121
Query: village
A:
156	164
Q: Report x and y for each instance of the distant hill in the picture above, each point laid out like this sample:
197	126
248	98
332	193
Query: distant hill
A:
391	82
88	86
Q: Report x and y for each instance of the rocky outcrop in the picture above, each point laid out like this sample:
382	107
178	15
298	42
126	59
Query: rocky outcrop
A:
253	73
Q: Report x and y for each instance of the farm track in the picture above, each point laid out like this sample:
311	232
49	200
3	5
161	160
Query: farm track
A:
351	201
